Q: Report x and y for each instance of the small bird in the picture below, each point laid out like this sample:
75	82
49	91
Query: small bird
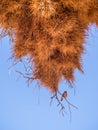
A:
64	95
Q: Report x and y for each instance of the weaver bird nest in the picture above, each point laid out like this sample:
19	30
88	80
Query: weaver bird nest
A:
51	33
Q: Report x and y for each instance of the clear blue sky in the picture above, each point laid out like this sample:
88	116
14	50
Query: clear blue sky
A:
23	108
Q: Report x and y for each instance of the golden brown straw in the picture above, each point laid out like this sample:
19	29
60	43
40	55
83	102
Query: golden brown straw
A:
52	32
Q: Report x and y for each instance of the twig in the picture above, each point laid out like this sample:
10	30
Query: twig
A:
71	104
29	79
59	103
3	34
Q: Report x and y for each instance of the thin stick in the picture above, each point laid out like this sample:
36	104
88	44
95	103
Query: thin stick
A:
71	104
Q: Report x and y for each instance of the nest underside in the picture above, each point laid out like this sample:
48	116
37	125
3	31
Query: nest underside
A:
52	32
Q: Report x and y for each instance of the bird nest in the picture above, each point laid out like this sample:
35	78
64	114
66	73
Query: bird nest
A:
52	34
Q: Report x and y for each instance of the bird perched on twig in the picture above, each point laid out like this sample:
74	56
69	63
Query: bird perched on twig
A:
64	95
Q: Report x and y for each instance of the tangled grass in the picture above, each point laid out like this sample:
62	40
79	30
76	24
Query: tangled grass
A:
51	32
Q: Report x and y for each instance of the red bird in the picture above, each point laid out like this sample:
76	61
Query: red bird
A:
64	95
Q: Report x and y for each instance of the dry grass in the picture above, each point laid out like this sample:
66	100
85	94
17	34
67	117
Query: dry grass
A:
52	32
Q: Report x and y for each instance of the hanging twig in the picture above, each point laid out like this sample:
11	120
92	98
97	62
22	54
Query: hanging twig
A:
26	76
55	96
71	104
63	96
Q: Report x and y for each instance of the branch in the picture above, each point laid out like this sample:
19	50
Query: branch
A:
55	96
26	76
63	96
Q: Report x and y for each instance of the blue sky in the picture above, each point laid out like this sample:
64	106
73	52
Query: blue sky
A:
28	108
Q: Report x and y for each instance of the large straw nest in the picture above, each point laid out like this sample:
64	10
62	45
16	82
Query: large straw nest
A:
52	32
